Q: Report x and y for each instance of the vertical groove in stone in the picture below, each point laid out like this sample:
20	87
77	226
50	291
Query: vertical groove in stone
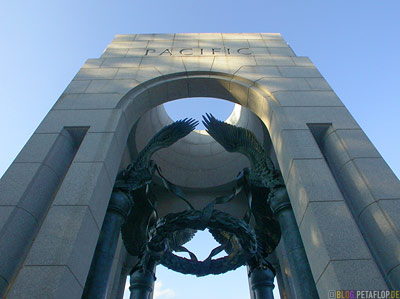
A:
376	247
22	226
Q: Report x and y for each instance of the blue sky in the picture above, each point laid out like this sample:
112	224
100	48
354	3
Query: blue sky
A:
354	44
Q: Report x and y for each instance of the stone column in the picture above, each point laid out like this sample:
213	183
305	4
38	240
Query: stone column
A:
303	282
97	281
261	283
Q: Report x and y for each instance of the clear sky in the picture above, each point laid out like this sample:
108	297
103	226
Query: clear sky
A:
354	44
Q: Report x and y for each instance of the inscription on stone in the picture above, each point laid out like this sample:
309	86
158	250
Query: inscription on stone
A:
197	51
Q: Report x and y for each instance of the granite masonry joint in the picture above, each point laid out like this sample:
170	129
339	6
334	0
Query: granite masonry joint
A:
117	97
337	260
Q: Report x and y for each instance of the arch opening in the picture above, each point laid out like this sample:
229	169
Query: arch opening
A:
197	107
145	112
197	160
160	90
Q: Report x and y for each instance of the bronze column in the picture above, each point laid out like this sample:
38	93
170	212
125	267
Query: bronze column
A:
142	283
97	281
304	285
262	282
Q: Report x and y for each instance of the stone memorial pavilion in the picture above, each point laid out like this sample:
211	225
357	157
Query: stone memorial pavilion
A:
337	211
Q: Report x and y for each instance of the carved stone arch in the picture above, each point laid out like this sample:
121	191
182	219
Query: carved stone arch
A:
64	175
145	100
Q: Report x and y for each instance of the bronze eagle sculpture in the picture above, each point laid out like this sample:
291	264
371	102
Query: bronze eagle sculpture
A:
135	179
262	178
140	172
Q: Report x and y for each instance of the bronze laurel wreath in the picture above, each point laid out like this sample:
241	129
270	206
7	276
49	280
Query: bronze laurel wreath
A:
194	219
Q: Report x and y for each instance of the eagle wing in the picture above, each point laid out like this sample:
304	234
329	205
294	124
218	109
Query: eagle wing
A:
134	230
140	171
223	238
167	136
237	139
180	238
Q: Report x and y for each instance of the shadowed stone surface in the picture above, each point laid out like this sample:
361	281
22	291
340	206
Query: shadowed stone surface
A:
329	233
54	281
350	275
110	94
75	226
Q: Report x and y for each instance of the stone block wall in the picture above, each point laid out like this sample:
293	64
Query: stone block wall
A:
344	196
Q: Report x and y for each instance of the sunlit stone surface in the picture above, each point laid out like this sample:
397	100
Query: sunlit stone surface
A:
337	182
